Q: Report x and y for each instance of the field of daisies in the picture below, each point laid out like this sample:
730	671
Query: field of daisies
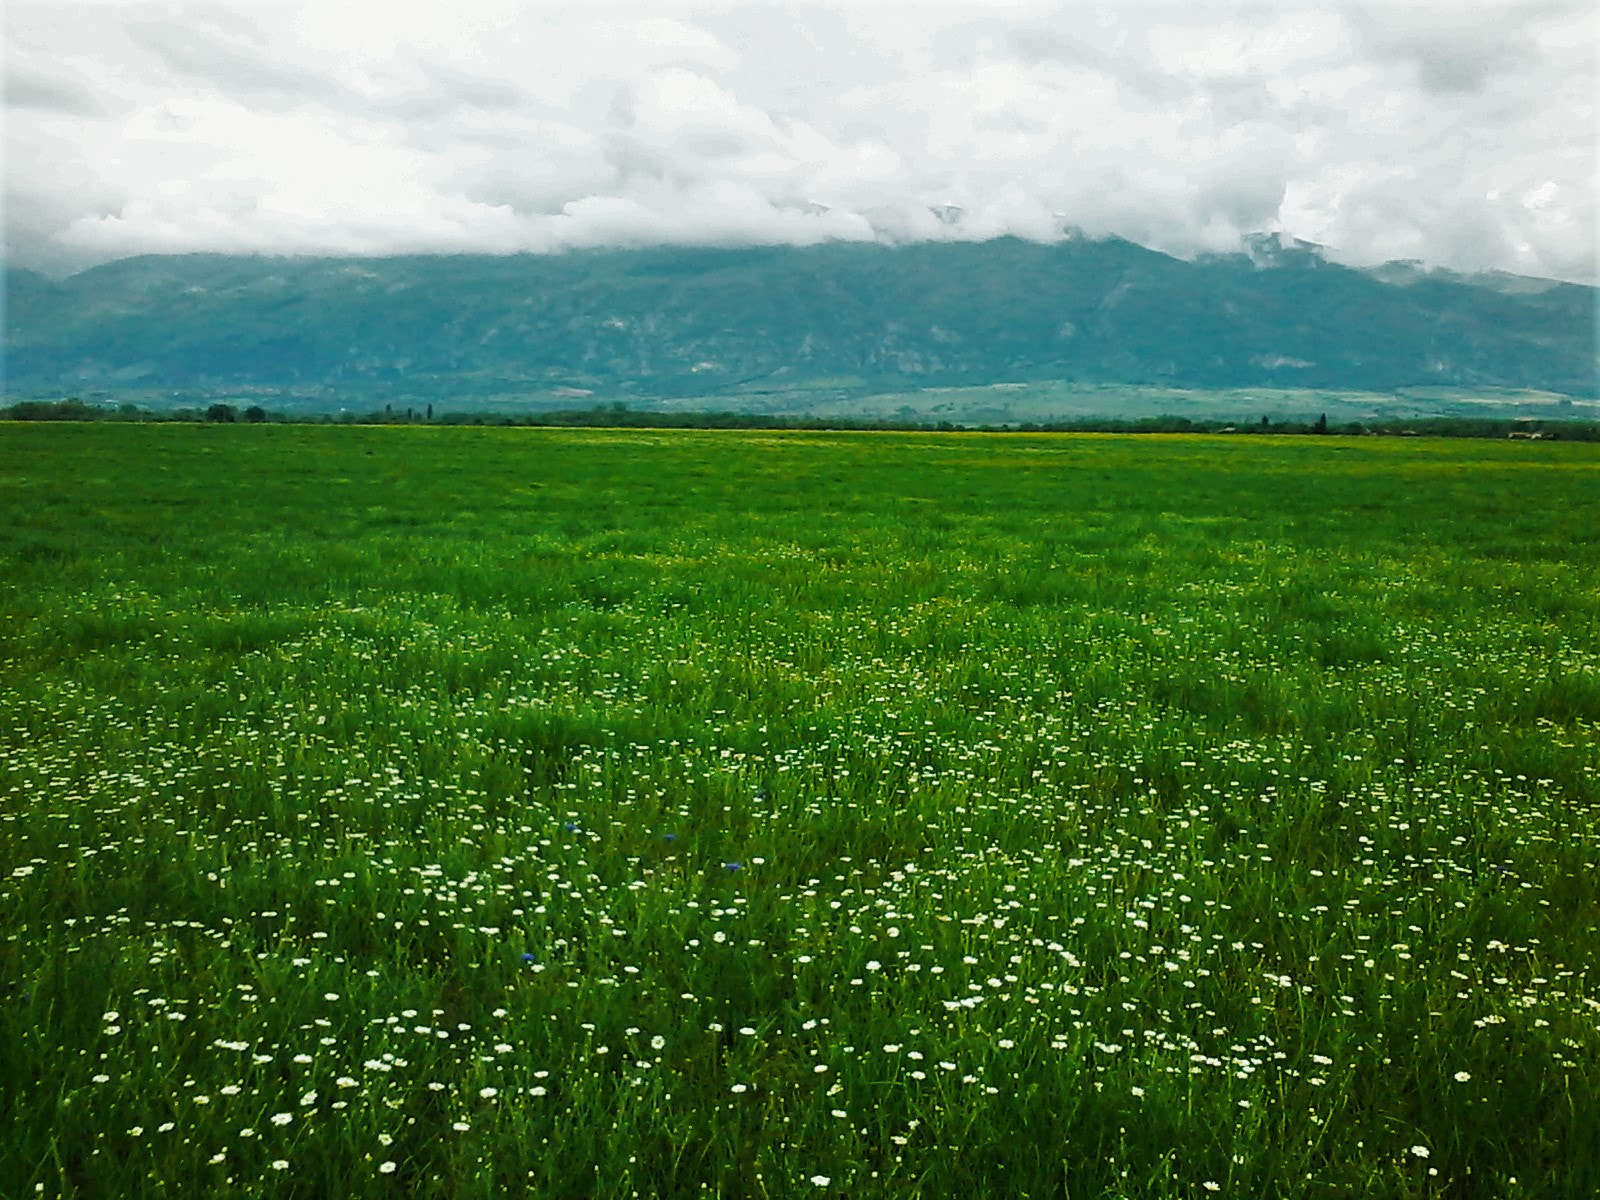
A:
495	812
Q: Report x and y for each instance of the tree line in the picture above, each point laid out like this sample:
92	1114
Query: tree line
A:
619	416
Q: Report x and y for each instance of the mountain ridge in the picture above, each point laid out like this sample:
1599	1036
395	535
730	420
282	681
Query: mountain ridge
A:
672	321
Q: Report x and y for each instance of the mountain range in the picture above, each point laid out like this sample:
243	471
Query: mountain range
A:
729	325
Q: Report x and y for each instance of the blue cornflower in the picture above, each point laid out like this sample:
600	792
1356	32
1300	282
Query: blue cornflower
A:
669	837
572	827
732	866
530	958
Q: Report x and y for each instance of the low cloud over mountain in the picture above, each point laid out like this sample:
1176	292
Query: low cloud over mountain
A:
1459	134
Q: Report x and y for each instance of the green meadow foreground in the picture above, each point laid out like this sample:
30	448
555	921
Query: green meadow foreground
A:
480	812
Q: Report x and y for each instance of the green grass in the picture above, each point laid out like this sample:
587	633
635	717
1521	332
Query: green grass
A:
701	814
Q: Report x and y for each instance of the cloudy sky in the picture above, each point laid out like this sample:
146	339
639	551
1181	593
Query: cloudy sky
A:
1461	133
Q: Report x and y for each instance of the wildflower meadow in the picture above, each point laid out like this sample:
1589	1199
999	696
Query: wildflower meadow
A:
491	812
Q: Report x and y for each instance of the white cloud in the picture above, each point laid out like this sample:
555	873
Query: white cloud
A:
1462	134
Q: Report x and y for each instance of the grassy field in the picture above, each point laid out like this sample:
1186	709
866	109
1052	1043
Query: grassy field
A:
480	812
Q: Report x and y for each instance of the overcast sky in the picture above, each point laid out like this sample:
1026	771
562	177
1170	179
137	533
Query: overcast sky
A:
1463	133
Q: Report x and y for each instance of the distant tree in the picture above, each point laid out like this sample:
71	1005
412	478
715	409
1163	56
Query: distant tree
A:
1322	423
52	410
221	412
255	414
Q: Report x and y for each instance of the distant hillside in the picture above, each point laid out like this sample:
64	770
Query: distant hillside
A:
732	323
